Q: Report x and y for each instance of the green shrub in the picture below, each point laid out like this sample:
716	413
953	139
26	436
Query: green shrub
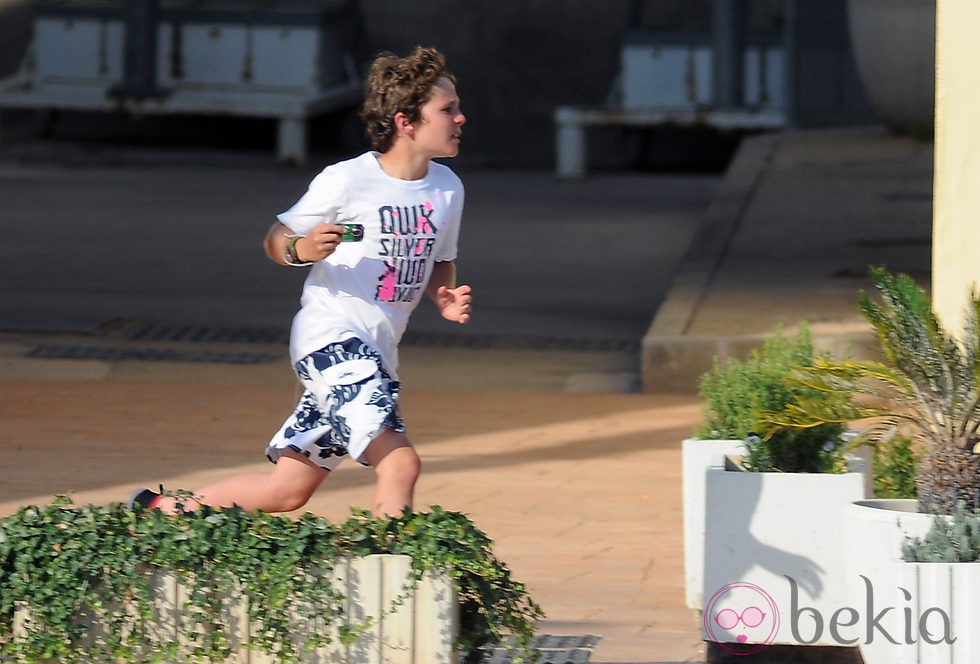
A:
895	463
740	399
59	560
951	539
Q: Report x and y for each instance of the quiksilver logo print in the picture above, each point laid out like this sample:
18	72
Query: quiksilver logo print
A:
407	242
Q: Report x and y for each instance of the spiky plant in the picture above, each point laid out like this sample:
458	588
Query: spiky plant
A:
927	386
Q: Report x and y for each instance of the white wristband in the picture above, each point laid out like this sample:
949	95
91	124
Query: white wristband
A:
291	257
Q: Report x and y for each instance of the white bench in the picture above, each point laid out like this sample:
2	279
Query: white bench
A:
286	61
572	121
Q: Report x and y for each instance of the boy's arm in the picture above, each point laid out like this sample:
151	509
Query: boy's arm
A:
454	302
320	243
275	243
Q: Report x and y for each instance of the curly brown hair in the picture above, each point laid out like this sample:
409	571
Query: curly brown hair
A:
399	85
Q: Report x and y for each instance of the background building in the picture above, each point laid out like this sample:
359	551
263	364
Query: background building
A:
518	60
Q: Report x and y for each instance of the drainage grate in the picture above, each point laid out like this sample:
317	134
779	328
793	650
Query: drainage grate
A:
885	243
165	332
148	331
519	342
551	649
115	354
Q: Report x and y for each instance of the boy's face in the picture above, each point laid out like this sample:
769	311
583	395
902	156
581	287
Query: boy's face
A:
442	120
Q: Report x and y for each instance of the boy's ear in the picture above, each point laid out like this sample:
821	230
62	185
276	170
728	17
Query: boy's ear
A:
403	125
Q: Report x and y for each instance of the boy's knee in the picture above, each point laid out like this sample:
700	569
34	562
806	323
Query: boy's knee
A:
408	462
292	498
397	472
402	464
415	465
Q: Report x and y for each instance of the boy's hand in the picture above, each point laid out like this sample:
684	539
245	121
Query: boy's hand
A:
321	242
455	304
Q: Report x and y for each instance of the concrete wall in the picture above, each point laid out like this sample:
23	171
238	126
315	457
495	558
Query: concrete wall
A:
956	205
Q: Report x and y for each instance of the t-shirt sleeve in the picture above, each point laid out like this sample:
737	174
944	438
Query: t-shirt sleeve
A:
448	248
318	205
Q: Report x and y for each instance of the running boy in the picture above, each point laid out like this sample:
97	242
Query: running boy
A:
404	211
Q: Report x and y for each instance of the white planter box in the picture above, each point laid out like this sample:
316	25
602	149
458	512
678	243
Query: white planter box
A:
874	533
422	630
698	456
778	535
943	612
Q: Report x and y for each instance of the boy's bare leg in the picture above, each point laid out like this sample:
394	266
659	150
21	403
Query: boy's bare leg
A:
294	479
288	487
397	466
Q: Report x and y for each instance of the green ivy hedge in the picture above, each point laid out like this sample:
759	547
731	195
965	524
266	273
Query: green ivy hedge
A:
59	560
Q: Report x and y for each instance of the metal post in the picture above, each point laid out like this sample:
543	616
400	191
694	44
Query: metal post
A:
291	139
728	37
790	23
569	143
140	51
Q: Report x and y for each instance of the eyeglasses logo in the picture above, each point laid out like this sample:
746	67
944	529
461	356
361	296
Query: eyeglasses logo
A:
733	616
751	617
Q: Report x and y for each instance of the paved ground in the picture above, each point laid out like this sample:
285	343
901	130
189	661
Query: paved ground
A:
175	236
551	451
526	419
581	492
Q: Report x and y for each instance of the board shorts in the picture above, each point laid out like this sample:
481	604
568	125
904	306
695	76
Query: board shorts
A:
349	400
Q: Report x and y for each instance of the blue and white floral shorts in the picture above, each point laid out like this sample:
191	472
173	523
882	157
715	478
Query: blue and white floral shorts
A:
349	400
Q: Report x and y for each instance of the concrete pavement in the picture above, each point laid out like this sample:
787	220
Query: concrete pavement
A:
535	429
790	236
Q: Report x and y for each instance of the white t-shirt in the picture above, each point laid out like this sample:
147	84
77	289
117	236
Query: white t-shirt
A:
369	288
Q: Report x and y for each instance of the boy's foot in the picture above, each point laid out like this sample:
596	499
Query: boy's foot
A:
145	498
